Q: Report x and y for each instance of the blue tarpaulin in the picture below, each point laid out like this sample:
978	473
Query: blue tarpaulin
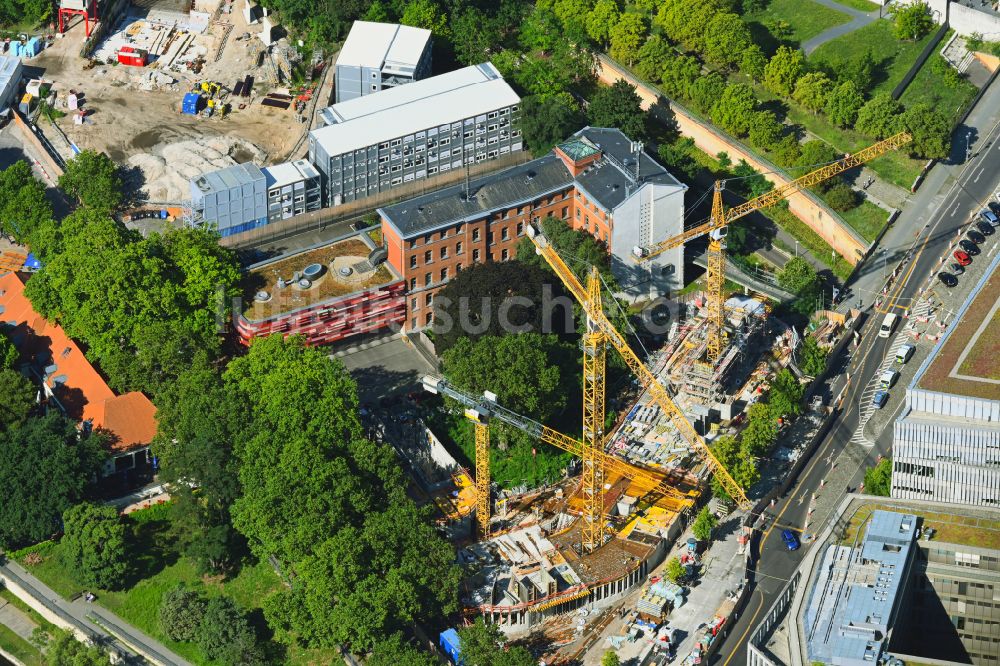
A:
32	263
452	646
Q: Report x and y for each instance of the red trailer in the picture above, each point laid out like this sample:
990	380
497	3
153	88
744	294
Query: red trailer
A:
129	55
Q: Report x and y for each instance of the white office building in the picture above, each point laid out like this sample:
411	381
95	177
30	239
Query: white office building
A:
374	143
377	56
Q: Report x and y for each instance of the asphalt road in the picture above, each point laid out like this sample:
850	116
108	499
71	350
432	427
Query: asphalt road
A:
933	228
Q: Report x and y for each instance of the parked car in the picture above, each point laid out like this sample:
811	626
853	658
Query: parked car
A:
985	227
947	279
888	379
975	236
962	258
990	217
956	269
969	247
879	399
791	541
904	354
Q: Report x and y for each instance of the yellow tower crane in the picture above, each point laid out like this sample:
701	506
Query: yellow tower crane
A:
716	228
594	366
484	507
483	410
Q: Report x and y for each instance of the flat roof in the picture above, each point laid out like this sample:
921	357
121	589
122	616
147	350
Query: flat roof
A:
371	44
852	602
9	68
287	173
228	178
438	100
606	182
966	361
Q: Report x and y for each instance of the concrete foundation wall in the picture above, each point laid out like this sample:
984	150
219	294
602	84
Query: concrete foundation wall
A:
820	219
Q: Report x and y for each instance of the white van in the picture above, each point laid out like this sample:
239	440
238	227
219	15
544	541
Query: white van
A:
888	324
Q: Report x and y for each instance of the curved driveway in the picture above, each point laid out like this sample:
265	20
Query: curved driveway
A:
859	19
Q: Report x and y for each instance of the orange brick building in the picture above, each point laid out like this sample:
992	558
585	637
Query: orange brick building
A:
598	181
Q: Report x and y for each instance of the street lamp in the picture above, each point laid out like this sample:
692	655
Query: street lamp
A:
796	247
883	263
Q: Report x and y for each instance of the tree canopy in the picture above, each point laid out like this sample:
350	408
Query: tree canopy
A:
44	469
546	121
61	648
783	70
880	116
93	180
482	645
911	20
618	106
738	460
93	546
878	479
704	524
23	205
735	108
799	277
812	357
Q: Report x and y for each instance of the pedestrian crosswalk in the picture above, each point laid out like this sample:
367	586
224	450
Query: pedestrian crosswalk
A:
866	409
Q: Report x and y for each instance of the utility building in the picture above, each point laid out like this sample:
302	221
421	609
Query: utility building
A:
598	181
946	443
377	56
293	188
375	143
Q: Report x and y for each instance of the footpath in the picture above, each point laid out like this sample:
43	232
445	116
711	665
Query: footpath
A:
88	621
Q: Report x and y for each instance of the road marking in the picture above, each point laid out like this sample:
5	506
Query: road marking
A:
750	626
976	179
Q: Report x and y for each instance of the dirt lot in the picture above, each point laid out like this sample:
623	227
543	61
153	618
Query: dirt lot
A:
145	129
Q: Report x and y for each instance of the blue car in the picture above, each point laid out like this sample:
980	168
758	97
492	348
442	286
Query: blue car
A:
879	399
791	541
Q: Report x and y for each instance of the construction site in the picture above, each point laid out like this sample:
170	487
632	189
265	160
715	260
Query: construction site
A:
575	547
121	90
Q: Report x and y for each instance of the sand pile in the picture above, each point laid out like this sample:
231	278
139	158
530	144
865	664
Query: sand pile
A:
169	167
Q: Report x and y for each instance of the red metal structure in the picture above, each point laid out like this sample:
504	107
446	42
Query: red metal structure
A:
362	312
68	8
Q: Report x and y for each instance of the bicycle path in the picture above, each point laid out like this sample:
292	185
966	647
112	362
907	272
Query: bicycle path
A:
859	19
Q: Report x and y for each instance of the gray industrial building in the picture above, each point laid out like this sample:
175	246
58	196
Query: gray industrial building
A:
946	442
377	56
10	78
233	199
374	143
293	188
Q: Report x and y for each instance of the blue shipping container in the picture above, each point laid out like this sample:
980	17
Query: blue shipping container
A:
451	645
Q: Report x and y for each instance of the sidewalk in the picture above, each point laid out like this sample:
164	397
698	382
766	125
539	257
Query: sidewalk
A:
16	620
109	629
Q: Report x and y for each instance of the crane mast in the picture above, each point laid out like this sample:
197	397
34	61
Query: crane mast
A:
594	367
716	224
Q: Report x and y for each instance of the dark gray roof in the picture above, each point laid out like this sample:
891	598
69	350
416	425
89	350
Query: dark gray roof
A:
606	182
505	188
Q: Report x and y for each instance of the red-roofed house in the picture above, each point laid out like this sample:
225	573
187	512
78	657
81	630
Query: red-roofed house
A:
71	383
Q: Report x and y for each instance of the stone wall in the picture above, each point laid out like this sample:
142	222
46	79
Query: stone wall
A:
851	246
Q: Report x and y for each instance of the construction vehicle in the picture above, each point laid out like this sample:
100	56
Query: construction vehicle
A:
483	410
211	88
719	220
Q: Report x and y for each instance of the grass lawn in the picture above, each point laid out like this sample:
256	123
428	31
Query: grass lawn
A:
893	56
928	86
867	219
860	5
159	568
805	18
818	247
19	648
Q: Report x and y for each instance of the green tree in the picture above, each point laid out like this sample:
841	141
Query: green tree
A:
687	21
704	524
426	14
761	430
226	636
474	35
674	570
626	36
540	30
799	277
377	13
23	206
600	20
841	197
727	40
931	130
483	645
546	121
17	399
93	546
738	460
677	156
653	57
44	469
911	21
8	352
610	658
618	106
705	91
93	180
180	613
753	62
62	648
859	70
765	130
878	479
785	398
812	90
812	357
880	116
394	651
815	153
680	73
784	70
734	109
573	16
843	103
